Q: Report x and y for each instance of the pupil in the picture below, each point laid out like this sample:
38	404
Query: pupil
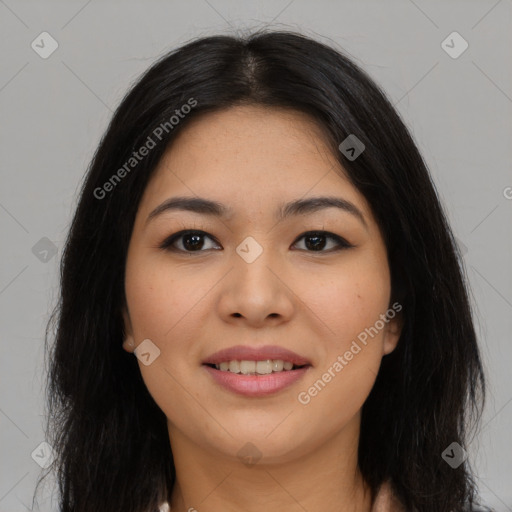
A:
197	244
317	244
194	241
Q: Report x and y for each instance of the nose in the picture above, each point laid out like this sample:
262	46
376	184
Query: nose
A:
256	293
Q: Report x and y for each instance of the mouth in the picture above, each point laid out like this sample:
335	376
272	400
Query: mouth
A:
261	367
256	372
266	358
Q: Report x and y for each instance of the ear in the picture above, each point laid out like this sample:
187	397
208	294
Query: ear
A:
392	332
129	341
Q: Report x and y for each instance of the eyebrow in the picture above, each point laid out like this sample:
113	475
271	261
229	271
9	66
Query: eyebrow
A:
297	207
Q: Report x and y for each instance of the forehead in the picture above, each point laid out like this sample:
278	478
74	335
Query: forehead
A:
251	138
251	156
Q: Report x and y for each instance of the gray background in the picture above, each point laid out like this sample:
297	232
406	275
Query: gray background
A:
54	110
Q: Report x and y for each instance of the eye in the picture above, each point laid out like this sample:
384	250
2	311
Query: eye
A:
315	241
191	241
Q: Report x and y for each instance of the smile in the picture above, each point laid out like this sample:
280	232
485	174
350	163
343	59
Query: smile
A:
265	367
253	383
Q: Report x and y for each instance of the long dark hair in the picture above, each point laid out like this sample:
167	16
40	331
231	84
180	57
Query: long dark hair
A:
110	438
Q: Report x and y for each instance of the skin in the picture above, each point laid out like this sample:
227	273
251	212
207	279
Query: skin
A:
314	302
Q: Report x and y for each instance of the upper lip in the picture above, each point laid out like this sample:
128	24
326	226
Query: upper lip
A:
245	353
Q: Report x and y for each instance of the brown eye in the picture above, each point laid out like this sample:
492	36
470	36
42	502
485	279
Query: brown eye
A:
315	241
190	241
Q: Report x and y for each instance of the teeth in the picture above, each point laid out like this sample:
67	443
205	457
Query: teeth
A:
277	365
255	367
234	366
264	367
247	367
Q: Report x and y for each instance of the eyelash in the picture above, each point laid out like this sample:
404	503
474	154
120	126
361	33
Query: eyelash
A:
167	243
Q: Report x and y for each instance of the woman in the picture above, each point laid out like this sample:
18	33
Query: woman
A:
263	307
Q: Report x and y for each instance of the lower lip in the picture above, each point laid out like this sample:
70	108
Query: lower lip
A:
256	385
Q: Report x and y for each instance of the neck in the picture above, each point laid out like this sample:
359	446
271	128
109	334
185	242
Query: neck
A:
326	479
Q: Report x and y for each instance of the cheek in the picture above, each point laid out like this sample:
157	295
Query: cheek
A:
350	303
163	307
350	300
159	299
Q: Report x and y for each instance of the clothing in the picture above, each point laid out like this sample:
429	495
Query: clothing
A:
385	501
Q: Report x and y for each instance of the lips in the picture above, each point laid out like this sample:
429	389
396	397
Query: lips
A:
245	353
256	385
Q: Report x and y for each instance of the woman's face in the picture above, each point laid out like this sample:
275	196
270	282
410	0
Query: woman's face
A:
253	279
